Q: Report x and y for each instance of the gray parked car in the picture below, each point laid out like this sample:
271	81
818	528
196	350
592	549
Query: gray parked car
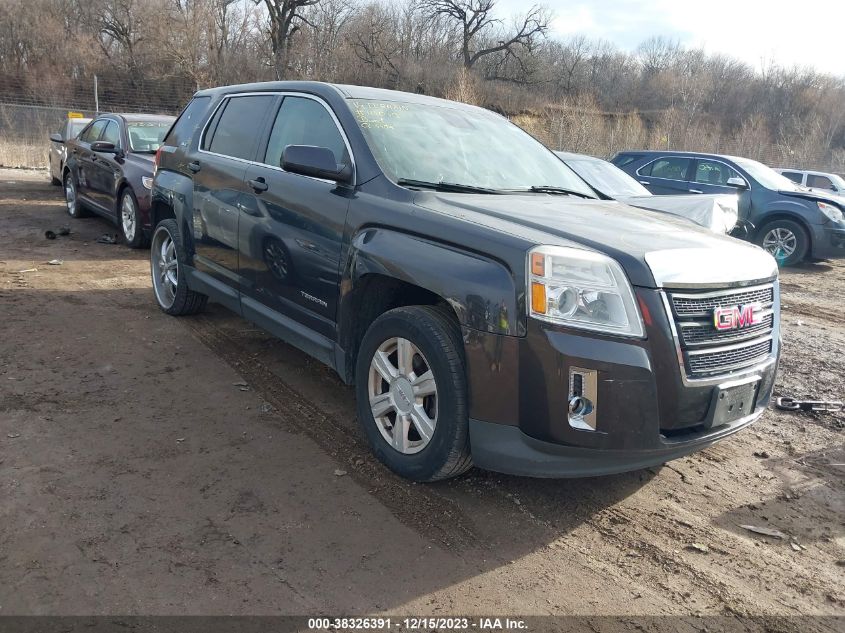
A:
790	222
717	212
70	129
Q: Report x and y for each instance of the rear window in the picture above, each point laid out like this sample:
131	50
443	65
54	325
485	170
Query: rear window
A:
186	125
146	136
234	132
620	160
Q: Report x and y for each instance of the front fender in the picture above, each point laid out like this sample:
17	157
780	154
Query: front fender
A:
481	290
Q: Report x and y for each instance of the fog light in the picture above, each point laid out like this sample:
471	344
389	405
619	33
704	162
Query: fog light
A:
583	398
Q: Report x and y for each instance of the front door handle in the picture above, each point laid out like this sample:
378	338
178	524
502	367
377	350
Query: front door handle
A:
194	166
258	185
696	191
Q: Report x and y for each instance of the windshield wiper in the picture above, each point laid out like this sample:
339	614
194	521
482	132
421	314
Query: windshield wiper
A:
555	190
453	187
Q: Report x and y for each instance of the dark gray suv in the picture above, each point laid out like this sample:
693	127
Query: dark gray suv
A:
486	306
789	221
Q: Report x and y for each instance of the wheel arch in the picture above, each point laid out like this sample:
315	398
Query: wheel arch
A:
387	269
786	215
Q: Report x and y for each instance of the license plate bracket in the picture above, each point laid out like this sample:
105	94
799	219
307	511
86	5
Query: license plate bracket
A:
733	401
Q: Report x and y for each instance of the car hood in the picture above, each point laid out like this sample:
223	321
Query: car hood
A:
813	195
655	249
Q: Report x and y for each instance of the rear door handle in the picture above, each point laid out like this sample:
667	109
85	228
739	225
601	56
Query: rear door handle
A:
645	182
258	185
194	166
696	191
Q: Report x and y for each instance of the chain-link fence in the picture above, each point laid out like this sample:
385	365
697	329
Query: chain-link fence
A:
29	114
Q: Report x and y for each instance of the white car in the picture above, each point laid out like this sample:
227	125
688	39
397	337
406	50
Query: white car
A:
816	180
717	212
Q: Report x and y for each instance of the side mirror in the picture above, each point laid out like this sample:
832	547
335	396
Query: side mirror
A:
104	147
739	183
317	162
57	138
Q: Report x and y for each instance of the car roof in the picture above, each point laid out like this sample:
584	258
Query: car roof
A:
657	152
346	91
137	117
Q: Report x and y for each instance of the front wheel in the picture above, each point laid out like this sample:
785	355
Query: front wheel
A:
169	283
785	240
412	394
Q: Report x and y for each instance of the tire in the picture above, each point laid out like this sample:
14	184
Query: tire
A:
432	342
72	201
786	240
171	291
129	219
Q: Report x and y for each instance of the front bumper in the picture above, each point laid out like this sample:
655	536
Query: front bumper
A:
648	411
828	242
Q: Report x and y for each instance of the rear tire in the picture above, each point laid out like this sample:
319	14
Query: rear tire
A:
167	257
785	240
129	219
72	201
420	349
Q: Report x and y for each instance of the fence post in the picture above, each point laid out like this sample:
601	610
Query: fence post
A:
96	98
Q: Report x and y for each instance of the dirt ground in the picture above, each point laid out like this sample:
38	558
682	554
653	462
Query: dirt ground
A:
152	465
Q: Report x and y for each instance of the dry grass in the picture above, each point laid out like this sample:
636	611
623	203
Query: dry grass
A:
23	154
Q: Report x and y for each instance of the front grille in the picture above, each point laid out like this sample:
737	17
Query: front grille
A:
697	333
689	305
707	351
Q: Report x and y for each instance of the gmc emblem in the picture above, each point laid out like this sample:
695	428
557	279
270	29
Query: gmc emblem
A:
736	317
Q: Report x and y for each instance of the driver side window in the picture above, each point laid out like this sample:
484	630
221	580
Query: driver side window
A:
93	132
303	121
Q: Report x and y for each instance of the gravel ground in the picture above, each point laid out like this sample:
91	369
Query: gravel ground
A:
152	465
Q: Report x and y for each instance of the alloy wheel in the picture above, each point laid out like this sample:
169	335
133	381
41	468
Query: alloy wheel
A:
403	395
128	217
780	243
70	194
165	267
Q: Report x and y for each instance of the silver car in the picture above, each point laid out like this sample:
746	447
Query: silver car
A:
70	129
816	180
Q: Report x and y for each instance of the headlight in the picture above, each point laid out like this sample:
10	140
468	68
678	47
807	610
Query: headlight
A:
147	181
581	289
833	213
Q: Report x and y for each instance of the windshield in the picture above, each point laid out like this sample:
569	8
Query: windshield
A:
146	136
607	178
473	147
766	176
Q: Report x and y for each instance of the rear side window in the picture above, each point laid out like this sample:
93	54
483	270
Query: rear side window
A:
186	125
794	176
819	182
235	132
671	168
303	121
93	132
625	159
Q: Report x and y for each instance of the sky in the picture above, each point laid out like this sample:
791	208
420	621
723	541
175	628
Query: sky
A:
802	33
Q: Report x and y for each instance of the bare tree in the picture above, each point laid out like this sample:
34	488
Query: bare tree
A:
474	20
286	18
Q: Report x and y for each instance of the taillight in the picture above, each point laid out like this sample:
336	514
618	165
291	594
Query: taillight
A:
157	160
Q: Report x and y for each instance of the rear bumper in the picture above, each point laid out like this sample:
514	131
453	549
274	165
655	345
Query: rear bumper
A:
506	449
828	242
